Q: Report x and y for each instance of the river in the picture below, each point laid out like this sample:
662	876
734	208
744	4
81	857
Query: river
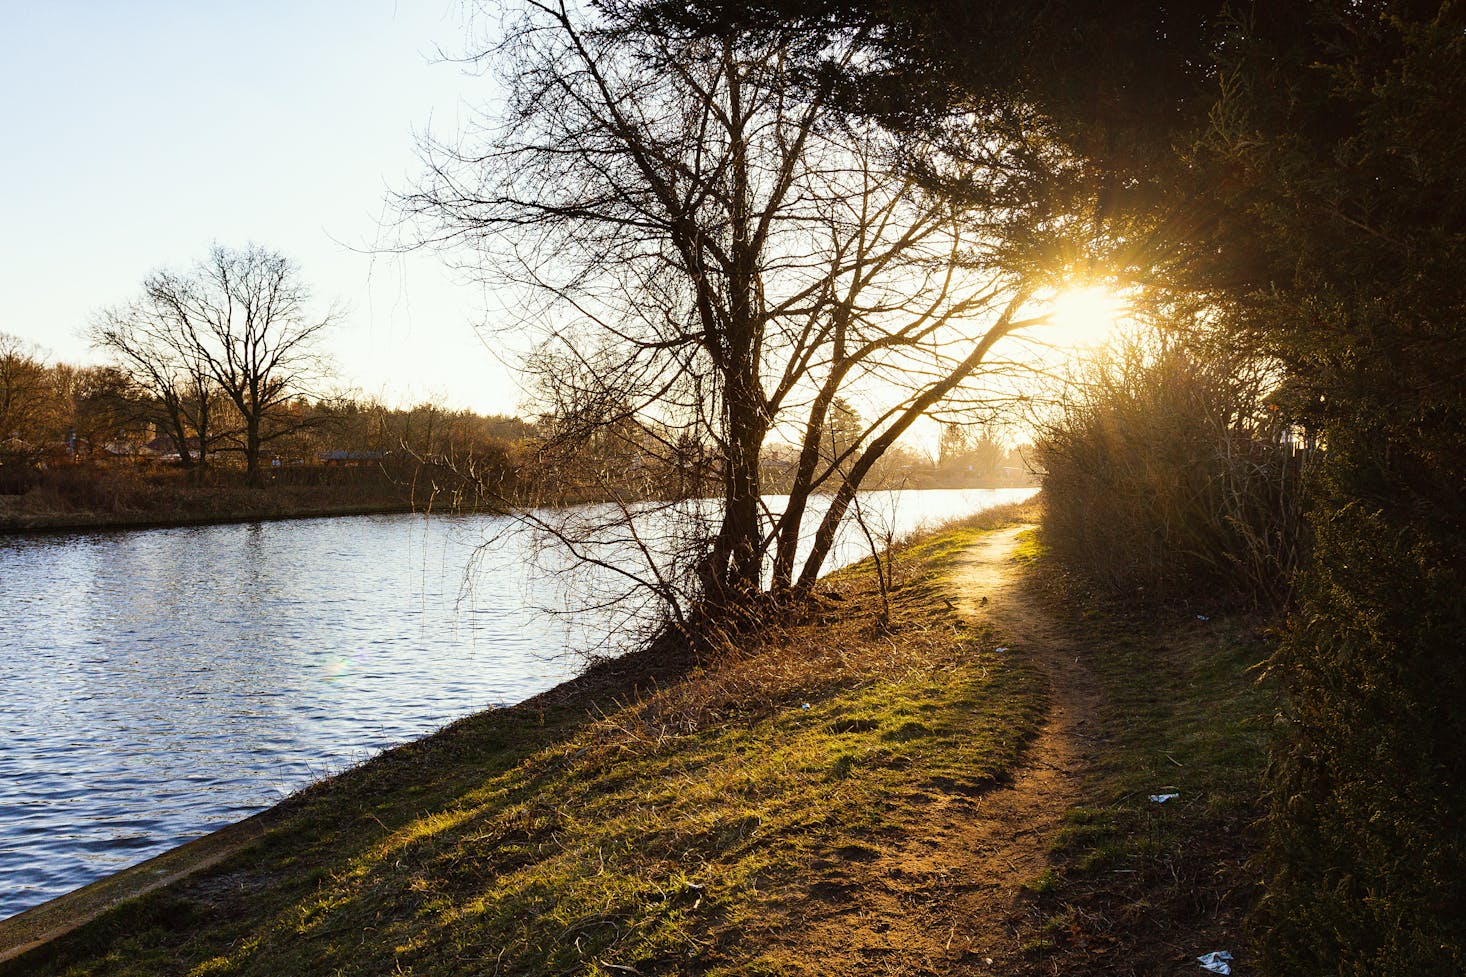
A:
159	684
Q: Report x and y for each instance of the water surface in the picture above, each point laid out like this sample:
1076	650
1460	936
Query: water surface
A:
161	683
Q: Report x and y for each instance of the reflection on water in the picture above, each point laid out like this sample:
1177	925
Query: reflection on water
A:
161	683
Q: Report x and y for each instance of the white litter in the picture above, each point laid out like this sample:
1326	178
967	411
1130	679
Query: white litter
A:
1202	617
1162	798
1216	962
1001	650
805	706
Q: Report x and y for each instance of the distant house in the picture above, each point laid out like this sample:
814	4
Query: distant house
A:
350	459
165	446
67	452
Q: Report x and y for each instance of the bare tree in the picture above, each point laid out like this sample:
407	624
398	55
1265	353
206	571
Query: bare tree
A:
151	343
708	248
241	319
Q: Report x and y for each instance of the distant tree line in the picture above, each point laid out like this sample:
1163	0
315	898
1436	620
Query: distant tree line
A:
56	414
59	409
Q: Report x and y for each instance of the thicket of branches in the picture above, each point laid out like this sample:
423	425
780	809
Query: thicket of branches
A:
1170	474
714	258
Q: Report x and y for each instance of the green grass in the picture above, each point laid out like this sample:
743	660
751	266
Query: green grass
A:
1139	884
668	832
1043	883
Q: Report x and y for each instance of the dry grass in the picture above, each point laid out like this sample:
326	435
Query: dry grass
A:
84	496
845	637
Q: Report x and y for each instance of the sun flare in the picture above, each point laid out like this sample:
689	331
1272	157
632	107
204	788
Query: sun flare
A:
1086	315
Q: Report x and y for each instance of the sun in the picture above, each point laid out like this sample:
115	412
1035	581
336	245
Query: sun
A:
1085	315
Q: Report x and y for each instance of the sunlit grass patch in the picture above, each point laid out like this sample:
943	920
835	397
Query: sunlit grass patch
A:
1030	546
667	832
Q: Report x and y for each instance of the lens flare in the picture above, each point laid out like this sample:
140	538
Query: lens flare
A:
1085	316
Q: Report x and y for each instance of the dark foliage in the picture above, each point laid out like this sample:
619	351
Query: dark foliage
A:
1335	151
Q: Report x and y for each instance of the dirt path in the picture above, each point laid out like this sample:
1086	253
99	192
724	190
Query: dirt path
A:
1015	824
949	898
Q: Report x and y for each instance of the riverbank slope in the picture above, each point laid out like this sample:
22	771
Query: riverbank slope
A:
911	788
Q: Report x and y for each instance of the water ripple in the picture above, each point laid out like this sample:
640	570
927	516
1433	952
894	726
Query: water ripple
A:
163	683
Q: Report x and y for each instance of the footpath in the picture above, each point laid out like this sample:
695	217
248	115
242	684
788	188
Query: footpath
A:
942	776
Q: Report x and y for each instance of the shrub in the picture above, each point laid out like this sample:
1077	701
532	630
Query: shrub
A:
1368	786
1167	475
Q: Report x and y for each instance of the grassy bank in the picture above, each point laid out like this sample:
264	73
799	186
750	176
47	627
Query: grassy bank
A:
1140	887
843	797
658	816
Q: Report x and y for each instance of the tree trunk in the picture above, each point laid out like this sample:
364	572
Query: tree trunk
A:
179	431
824	538
252	450
733	571
736	561
203	428
799	490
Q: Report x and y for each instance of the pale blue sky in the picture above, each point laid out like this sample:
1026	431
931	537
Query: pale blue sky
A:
139	133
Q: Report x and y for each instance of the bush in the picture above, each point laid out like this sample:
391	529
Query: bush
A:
1368	787
1167	476
18	473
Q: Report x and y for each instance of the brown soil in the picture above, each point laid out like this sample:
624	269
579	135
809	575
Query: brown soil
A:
951	898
